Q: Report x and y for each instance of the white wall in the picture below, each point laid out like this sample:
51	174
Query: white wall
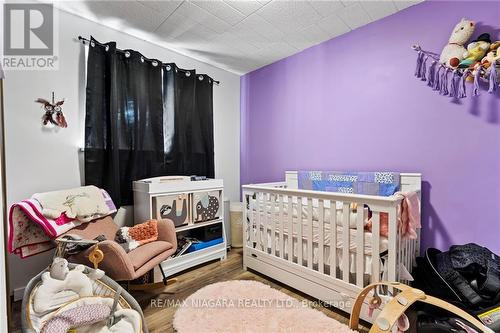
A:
39	159
3	282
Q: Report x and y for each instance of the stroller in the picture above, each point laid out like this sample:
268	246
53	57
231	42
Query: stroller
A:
104	290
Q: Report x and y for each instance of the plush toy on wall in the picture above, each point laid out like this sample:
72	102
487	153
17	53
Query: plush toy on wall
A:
53	112
448	73
454	51
476	50
493	56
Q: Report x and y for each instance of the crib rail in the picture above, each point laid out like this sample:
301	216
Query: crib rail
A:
326	232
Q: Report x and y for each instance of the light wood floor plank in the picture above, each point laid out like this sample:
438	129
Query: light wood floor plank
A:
159	318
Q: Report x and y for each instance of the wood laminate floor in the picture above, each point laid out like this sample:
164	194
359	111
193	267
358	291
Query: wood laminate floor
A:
159	314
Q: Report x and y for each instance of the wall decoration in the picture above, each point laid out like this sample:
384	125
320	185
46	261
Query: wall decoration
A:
449	72
53	112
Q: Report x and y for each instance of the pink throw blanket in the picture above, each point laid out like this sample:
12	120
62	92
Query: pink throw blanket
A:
408	217
31	233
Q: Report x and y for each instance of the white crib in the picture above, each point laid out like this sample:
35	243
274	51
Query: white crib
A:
274	211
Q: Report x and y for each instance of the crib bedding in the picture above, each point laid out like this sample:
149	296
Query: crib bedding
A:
353	237
273	207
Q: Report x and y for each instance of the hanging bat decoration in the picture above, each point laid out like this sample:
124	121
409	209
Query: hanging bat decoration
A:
53	112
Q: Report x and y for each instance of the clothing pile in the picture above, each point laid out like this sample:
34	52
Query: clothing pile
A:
35	222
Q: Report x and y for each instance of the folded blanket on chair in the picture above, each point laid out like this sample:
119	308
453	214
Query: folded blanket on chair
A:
84	203
31	233
131	238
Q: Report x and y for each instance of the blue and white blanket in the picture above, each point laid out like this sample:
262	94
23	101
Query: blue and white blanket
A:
369	183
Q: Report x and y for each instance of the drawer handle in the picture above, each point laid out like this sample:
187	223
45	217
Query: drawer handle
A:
254	255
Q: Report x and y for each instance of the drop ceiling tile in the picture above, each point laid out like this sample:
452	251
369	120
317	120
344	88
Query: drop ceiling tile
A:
163	7
244	6
220	9
200	15
333	26
379	9
125	14
175	25
234	41
289	16
402	4
245	33
326	8
263	27
200	33
354	15
307	37
282	49
237	35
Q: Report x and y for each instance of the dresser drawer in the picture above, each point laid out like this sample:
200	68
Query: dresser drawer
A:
206	206
173	207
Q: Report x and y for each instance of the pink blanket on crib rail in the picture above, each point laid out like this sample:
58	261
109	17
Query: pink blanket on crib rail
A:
31	233
408	217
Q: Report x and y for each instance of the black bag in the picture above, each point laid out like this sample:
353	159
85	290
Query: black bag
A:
467	276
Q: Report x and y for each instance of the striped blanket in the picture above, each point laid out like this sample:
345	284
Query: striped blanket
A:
31	233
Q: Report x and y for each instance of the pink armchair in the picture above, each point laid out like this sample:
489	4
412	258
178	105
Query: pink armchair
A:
118	264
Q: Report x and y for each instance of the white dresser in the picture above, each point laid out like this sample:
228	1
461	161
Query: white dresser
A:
194	206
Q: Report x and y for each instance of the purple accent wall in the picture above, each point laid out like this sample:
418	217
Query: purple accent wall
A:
352	103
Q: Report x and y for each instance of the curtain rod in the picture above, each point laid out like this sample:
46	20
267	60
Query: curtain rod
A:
85	40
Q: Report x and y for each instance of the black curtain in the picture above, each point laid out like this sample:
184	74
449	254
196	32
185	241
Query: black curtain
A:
188	105
144	119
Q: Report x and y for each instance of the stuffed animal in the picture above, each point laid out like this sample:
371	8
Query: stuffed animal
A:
476	50
492	56
454	51
59	269
46	297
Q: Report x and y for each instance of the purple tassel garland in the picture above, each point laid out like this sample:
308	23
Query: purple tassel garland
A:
436	85
475	91
493	79
444	82
419	63
462	89
423	69
432	70
453	86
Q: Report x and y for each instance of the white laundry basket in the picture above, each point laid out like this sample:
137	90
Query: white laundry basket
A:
236	215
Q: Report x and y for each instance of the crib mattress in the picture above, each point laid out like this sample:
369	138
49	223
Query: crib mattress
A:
273	207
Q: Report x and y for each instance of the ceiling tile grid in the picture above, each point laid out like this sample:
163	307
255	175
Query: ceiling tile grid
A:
236	35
